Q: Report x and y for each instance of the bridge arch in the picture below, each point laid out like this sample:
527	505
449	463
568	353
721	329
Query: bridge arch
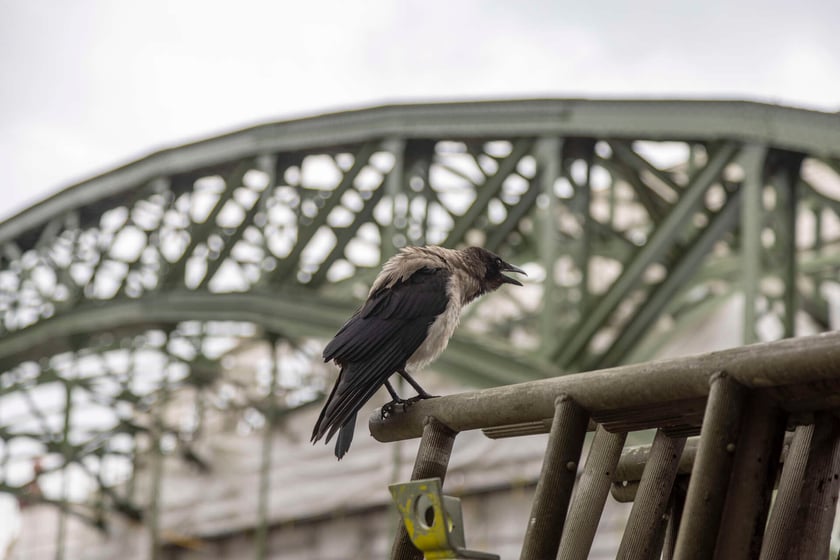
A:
635	217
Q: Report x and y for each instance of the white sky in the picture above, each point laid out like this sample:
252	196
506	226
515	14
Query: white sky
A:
88	84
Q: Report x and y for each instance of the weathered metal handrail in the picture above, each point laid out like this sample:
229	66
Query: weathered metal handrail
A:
797	370
735	399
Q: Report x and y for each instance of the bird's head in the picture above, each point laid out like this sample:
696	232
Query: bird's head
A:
488	268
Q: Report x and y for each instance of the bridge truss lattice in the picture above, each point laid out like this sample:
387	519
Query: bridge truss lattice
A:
634	218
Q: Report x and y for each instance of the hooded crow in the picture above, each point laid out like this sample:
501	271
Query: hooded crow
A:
411	311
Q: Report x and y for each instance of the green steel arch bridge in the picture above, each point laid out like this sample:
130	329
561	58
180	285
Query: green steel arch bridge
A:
634	218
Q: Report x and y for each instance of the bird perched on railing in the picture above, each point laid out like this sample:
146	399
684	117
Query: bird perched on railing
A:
411	312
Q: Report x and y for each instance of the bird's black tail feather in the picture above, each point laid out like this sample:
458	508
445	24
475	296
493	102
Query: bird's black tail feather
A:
345	437
356	384
339	414
323	422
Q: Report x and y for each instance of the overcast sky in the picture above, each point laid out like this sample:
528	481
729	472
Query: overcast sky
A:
88	84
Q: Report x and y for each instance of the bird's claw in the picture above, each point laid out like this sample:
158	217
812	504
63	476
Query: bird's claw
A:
390	408
401	405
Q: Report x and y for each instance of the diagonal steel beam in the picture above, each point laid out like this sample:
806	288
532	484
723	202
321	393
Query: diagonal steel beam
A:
308	231
487	191
497	235
199	232
624	151
654	204
475	152
678	276
269	166
346	234
457	173
662	240
104	258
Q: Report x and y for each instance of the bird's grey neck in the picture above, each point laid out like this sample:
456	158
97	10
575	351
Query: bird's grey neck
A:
465	283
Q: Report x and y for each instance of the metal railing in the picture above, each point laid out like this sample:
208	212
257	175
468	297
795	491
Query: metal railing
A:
716	502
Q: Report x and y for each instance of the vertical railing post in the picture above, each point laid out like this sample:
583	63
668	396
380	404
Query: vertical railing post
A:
753	478
591	494
786	506
432	462
557	478
675	511
820	487
648	517
712	468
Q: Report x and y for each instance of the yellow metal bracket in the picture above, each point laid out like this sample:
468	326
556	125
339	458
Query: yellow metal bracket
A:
433	521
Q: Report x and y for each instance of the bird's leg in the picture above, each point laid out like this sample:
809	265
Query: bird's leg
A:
388	409
421	393
393	392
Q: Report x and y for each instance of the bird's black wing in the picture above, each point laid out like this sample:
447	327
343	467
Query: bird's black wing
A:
378	340
391	317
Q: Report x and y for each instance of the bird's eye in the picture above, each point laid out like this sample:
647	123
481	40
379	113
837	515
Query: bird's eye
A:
498	262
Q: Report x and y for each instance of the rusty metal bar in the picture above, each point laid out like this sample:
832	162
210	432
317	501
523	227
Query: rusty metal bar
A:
648	516
786	506
557	478
753	479
818	500
432	461
705	499
791	362
592	489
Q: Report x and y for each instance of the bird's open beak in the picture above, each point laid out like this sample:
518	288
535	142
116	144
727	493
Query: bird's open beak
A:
510	268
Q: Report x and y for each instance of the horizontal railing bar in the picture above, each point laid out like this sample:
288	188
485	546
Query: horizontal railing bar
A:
634	459
804	360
